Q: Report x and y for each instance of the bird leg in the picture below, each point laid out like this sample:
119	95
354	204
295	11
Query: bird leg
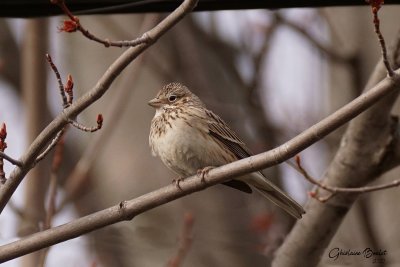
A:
176	181
203	172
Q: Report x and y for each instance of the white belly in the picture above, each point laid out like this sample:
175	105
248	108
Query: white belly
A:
185	149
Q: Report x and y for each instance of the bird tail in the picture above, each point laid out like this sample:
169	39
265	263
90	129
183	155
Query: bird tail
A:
276	195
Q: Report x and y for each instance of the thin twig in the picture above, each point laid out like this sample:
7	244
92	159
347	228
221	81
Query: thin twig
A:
52	144
67	95
335	190
185	241
74	24
59	80
86	128
375	6
10	159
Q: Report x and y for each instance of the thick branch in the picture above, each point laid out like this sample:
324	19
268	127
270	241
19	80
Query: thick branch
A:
127	210
86	100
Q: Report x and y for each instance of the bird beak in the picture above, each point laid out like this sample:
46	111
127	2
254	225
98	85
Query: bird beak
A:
155	103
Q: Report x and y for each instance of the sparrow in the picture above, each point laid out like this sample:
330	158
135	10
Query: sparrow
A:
190	138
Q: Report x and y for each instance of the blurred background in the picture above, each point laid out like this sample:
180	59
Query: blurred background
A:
270	75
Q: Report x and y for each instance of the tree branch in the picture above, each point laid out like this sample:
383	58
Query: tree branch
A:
331	52
127	210
86	100
52	144
74	24
333	189
367	150
185	241
10	159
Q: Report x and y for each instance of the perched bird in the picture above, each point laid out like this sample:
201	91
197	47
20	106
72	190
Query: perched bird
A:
188	137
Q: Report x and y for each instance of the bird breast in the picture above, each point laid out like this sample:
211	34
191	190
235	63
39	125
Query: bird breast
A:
183	144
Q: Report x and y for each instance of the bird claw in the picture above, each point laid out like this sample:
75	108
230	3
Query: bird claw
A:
177	181
203	172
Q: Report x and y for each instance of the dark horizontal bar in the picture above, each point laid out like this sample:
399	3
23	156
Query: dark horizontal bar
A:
40	8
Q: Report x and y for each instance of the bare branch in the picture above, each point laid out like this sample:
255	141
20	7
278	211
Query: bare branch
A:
127	210
329	51
103	84
88	129
10	159
375	6
334	189
52	144
185	241
59	80
74	24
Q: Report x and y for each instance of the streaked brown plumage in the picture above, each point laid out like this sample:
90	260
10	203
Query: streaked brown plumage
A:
188	137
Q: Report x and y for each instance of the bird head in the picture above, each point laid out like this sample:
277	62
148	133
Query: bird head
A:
174	95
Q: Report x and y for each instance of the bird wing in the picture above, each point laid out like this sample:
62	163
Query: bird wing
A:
219	130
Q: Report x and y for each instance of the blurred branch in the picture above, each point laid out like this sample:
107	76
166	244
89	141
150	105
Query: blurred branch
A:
127	210
331	52
259	60
185	241
52	194
86	100
10	61
366	226
34	93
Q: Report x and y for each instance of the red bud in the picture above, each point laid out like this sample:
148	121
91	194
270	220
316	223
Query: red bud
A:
68	26
99	121
69	85
3	131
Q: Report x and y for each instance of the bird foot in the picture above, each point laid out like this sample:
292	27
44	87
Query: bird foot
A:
203	172
176	181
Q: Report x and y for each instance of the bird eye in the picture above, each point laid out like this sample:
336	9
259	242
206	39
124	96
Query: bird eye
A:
172	98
